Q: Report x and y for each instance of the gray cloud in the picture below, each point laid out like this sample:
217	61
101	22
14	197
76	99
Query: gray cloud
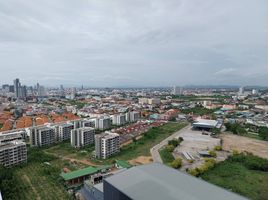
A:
138	43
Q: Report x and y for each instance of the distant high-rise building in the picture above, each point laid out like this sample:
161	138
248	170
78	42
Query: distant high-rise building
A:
241	91
11	88
255	91
177	90
40	90
16	87
5	88
73	93
62	92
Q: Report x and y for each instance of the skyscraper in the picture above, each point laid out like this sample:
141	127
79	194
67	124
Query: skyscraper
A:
16	87
177	90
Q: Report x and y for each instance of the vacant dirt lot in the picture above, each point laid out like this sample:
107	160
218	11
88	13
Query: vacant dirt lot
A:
234	142
141	160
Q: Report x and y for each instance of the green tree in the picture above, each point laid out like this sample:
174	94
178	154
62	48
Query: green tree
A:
176	163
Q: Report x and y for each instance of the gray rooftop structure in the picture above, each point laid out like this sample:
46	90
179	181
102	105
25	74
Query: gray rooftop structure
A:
205	123
159	182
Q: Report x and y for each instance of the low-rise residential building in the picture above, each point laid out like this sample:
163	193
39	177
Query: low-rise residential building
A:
13	153
82	136
107	144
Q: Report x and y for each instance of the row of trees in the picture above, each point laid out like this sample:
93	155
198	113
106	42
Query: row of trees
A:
238	129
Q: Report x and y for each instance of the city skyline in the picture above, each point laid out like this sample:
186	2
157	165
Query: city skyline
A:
122	44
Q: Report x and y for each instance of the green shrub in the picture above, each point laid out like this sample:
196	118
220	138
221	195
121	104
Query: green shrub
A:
170	148
176	163
212	153
218	148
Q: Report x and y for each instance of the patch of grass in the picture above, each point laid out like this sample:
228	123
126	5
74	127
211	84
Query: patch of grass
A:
166	156
1	125
237	174
38	180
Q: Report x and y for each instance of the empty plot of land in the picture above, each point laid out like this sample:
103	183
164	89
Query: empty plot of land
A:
194	141
234	142
141	160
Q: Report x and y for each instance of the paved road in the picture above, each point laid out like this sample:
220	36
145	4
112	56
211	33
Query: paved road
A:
154	151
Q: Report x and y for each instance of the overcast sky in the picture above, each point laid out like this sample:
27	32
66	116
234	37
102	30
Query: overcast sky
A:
134	42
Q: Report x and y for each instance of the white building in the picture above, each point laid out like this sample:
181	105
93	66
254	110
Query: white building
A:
42	136
82	136
8	136
134	116
177	90
143	100
13	153
154	101
241	91
119	119
107	144
64	131
103	123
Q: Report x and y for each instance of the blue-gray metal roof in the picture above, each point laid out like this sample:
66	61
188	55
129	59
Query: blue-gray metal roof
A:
158	182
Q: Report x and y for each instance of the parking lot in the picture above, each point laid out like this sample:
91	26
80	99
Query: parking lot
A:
193	142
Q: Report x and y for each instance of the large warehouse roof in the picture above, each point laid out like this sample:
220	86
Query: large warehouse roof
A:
205	123
158	182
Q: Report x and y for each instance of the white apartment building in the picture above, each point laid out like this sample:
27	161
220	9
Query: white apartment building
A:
177	90
154	101
103	123
107	144
119	119
134	116
8	136
42	136
64	131
13	153
82	136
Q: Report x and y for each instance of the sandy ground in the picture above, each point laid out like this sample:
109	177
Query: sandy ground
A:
141	160
233	142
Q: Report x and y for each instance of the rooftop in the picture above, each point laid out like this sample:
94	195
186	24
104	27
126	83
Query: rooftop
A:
158	182
83	172
79	173
205	122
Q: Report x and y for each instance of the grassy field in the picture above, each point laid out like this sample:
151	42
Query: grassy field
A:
42	181
142	146
36	179
65	149
166	156
238	176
